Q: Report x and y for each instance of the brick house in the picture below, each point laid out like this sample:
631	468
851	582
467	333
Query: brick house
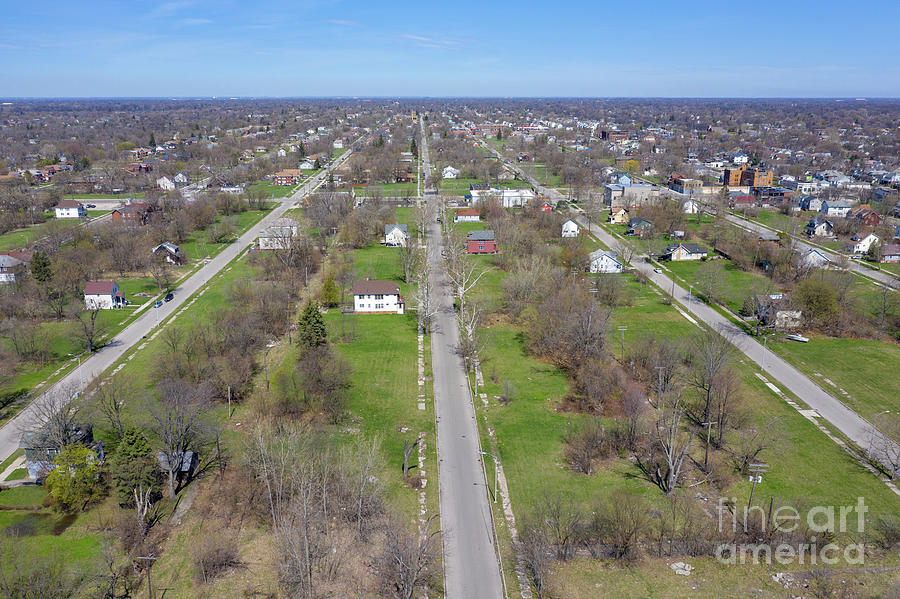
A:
481	242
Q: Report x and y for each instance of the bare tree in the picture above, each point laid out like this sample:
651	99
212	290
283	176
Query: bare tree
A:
710	357
178	419
90	329
109	400
408	559
54	417
673	442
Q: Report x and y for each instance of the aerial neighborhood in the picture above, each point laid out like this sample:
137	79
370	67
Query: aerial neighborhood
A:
292	347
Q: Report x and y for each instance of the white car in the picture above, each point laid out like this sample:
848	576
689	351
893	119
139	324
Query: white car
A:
657	271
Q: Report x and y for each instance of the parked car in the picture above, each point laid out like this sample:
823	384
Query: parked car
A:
91	206
157	304
169	297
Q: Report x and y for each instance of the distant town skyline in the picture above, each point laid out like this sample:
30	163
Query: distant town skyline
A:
326	48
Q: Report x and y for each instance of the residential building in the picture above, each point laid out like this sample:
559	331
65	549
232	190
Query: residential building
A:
41	447
449	172
481	242
813	258
138	167
466	215
778	311
165	184
679	252
749	177
279	235
288	176
104	295
396	235
639	227
570	228
862	245
604	261
890	253
169	252
865	215
685	185
182	179
819	227
11	268
136	213
809	203
835	208
618	216
691	207
372	297
70	209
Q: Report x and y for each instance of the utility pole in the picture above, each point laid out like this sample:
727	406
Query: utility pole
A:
493	457
622	330
708	426
875	426
756	472
150	559
765	350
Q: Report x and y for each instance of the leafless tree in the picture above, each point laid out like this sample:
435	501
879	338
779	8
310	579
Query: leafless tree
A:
109	400
55	417
673	442
179	421
408	558
710	357
89	327
161	272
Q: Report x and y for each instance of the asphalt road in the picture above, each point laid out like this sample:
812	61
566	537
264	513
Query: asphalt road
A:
830	408
880	276
95	364
471	570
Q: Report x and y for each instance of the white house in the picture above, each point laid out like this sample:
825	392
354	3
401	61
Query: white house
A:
603	261
281	153
777	310
509	198
740	159
377	297
70	209
338	144
835	208
679	252
170	252
10	268
395	235
279	235
103	294
466	215
307	165
182	179
165	184
862	246
819	227
691	207
813	258
570	228
449	172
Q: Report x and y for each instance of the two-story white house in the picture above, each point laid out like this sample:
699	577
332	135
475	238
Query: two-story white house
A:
862	246
604	261
396	235
70	209
279	235
450	172
103	294
165	184
569	228
374	297
835	208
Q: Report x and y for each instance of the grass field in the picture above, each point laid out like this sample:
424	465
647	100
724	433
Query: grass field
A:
21	237
391	190
737	284
460	187
867	371
271	190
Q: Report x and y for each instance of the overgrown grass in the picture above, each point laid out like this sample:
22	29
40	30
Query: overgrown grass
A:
737	284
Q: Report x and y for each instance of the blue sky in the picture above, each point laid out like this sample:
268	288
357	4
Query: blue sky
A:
487	48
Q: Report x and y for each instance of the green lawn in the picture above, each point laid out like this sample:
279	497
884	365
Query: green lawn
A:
105	196
460	187
389	190
737	284
867	371
21	237
542	174
271	190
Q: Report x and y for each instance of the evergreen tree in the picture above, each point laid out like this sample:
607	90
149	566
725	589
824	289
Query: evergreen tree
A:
41	267
302	150
413	149
331	295
312	327
132	466
152	140
499	134
317	165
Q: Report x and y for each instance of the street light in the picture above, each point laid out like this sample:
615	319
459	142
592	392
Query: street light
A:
875	426
493	457
765	350
690	296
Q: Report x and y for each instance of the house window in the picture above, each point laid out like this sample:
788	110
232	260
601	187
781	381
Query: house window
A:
379	296
379	306
480	246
